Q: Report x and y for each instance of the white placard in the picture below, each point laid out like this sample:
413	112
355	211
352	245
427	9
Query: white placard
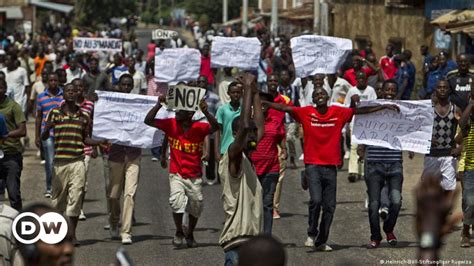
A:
97	44
119	118
160	34
175	65
240	52
313	54
408	130
183	97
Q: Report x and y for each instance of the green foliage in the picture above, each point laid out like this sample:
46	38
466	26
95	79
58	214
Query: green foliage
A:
91	12
213	9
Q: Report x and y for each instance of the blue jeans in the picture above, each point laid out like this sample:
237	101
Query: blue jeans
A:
468	197
232	257
268	182
322	184
48	151
156	152
376	176
10	172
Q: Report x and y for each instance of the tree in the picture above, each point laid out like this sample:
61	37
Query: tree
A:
213	8
89	13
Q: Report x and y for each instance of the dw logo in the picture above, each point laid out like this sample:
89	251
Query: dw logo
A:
50	228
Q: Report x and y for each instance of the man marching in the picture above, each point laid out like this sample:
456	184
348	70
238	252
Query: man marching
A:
185	138
322	126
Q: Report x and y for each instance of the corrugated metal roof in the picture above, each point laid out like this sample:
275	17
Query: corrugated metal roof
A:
53	6
13	12
457	21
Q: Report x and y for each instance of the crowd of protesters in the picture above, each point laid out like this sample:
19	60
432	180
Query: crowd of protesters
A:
255	122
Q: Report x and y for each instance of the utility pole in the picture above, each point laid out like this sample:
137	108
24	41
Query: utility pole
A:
317	15
245	16
224	11
274	18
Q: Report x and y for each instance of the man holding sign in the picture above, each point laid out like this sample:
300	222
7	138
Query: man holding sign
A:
322	126
185	138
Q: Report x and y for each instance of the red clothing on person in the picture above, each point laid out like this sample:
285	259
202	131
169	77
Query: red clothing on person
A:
87	107
265	157
278	116
151	51
185	146
388	66
322	133
206	69
350	75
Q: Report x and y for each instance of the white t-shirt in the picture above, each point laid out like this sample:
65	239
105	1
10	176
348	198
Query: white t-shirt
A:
71	75
139	82
17	80
339	90
365	95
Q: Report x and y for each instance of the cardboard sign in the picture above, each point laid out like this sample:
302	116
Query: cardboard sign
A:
175	65
314	54
183	97
97	44
240	52
118	117
160	34
409	130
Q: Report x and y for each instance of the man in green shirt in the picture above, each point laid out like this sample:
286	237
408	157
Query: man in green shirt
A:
12	162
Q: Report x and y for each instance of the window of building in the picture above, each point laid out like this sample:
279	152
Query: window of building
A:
361	42
398	44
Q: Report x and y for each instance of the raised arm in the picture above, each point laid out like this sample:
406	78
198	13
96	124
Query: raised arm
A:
279	107
150	117
239	144
212	120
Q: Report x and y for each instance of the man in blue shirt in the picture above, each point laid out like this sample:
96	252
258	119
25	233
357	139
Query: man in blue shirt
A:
405	75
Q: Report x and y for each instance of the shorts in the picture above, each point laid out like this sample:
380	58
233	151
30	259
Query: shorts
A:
446	166
186	195
68	187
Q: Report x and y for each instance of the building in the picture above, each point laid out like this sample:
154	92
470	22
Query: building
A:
26	15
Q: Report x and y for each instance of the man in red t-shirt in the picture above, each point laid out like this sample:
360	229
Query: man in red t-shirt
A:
387	63
185	139
322	126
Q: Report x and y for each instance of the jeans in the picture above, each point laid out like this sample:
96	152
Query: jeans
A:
377	174
468	197
10	172
211	164
48	151
322	184
156	152
268	182
232	257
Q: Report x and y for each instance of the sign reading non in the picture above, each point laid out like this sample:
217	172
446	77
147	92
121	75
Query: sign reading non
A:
183	97
118	117
408	130
240	52
175	65
160	34
97	44
314	54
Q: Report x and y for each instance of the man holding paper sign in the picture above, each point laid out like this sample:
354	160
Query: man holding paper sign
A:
185	138
322	126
